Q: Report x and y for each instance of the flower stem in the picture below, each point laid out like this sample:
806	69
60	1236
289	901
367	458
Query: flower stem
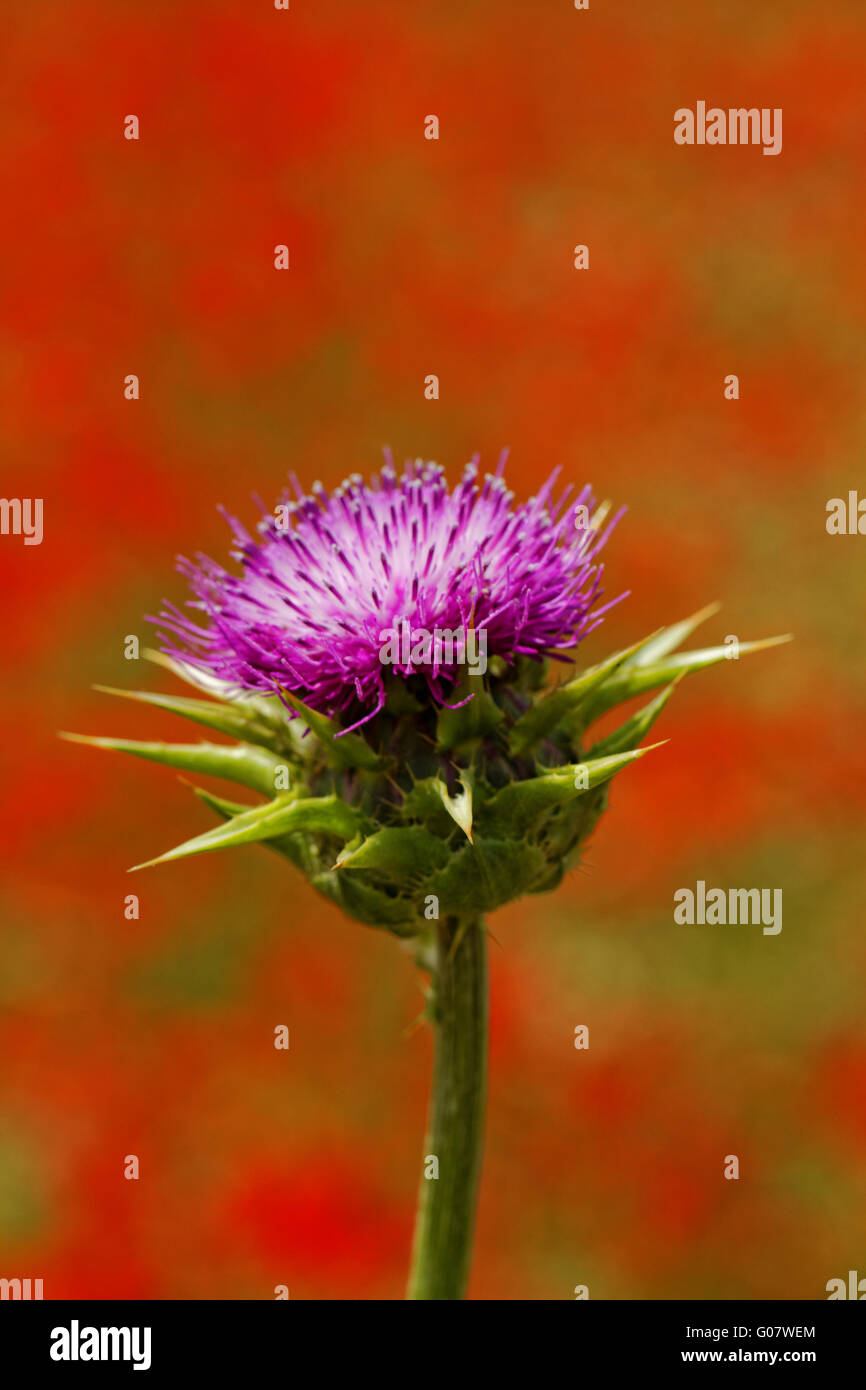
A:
445	1221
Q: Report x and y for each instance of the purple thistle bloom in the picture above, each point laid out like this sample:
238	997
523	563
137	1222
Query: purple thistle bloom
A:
330	575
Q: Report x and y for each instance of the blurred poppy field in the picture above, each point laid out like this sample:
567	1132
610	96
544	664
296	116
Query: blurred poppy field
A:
453	257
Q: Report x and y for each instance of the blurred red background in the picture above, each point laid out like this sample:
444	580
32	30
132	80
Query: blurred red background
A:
454	257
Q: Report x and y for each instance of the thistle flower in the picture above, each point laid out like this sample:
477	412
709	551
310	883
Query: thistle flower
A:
421	794
331	574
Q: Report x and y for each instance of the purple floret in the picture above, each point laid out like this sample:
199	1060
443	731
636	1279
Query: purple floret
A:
328	575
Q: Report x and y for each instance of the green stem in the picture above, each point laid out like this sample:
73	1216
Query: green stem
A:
446	1204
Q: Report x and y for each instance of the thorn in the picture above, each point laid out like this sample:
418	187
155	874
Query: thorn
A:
412	1028
148	864
708	611
91	740
639	752
458	937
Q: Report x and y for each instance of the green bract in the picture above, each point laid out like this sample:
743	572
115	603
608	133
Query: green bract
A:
432	810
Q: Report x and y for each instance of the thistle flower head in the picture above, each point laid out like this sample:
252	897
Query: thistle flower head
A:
330	576
465	801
